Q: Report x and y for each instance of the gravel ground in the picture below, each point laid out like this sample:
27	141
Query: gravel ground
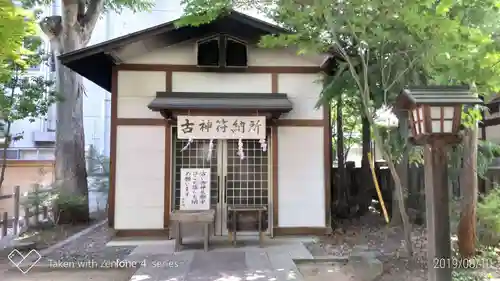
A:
89	248
372	231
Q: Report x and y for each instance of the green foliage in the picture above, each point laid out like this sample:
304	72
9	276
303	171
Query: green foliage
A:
386	44
15	24
491	254
109	5
67	201
488	214
351	119
24	96
70	208
393	142
38	196
202	11
382	46
471	116
486	152
468	275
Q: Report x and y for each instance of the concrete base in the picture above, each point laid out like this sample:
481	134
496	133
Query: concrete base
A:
274	261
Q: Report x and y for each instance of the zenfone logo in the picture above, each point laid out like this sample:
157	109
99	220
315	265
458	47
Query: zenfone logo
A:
31	258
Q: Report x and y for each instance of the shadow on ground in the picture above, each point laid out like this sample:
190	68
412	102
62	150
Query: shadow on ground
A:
73	275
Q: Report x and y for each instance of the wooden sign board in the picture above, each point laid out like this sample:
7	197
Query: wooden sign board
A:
221	127
195	189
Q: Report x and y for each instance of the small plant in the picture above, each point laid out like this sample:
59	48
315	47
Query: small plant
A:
38	197
70	208
491	254
467	275
488	214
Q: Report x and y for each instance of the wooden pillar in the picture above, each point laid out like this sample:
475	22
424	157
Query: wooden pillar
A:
438	213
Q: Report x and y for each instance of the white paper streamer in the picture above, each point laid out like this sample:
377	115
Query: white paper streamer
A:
263	144
187	145
210	149
240	150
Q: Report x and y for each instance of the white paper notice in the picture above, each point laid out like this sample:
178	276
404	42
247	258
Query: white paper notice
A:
195	189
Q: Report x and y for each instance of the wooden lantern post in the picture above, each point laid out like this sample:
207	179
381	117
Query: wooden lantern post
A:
435	117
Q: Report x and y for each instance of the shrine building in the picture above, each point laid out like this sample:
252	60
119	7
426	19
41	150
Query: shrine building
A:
201	117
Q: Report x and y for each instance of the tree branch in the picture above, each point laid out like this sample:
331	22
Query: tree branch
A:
89	21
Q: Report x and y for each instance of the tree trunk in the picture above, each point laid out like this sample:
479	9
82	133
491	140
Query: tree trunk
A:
399	192
8	138
469	188
401	167
342	202
70	169
4	159
364	196
398	185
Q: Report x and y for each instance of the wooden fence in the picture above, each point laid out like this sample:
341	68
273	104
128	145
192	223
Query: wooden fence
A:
31	215
360	188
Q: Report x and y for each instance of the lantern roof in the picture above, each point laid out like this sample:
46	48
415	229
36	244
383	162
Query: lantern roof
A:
436	95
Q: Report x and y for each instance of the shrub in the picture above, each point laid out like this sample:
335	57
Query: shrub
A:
488	215
71	209
467	275
39	196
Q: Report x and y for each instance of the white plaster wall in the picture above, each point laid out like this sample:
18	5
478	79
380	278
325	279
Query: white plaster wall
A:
140	166
303	90
221	82
493	134
185	54
281	57
136	89
301	185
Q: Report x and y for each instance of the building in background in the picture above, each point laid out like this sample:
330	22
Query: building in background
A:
39	137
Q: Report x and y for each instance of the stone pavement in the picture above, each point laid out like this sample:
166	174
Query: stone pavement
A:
247	262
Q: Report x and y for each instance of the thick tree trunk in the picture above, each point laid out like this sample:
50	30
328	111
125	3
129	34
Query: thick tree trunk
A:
70	170
469	189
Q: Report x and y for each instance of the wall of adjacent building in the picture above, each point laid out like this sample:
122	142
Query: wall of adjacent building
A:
24	174
492	132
